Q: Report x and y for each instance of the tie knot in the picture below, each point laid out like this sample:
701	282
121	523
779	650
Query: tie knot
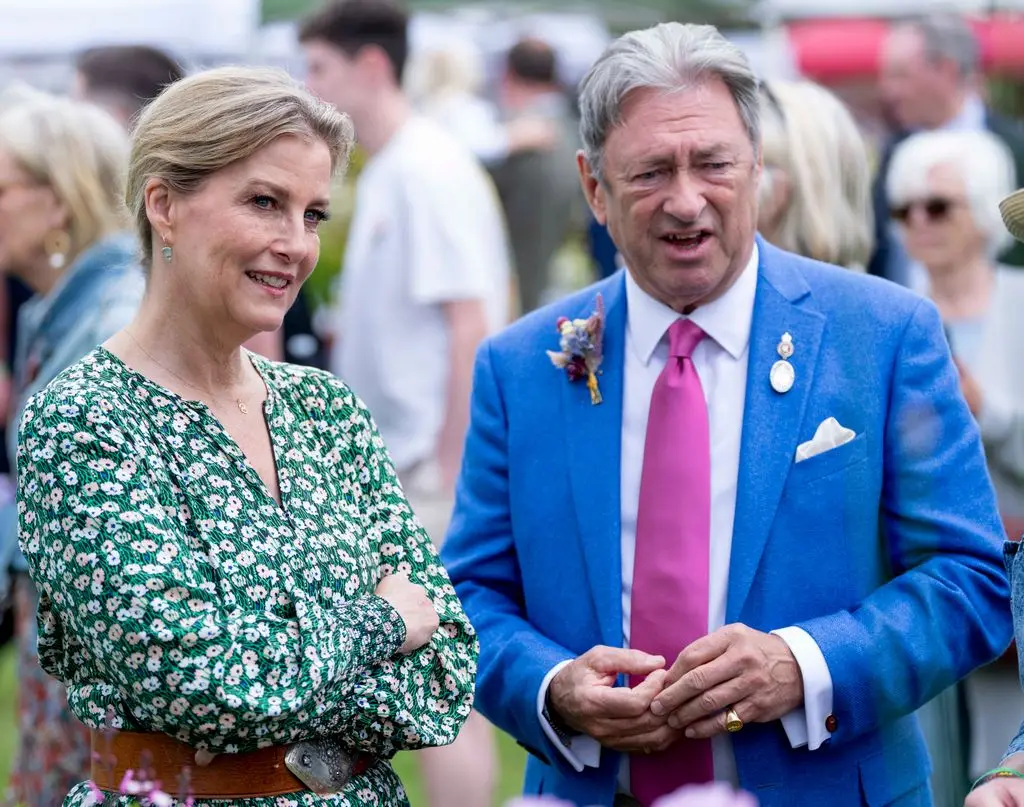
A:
683	336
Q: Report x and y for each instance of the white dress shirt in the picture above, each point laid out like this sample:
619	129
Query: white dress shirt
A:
721	362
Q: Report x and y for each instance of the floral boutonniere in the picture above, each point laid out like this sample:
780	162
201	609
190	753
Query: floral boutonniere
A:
581	349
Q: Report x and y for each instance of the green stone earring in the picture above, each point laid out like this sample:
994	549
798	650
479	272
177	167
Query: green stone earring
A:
168	254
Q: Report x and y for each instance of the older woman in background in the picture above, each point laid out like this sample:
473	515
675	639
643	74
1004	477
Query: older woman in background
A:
62	233
944	190
227	562
816	184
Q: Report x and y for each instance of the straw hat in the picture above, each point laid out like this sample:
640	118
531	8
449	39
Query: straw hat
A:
1012	208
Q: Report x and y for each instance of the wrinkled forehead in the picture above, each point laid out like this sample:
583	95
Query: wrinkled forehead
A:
903	46
683	123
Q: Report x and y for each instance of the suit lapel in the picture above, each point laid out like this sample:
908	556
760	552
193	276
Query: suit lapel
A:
594	436
771	421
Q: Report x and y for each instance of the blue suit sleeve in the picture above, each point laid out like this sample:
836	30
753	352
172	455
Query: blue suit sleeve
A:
945	610
480	555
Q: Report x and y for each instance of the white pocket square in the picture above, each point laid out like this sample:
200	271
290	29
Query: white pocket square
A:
828	436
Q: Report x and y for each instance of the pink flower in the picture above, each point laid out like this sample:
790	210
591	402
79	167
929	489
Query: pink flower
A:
128	786
157	798
714	795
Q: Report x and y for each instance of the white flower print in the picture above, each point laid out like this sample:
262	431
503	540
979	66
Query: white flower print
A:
240	623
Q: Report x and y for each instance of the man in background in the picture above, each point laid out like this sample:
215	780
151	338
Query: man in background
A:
425	279
931	79
123	79
538	187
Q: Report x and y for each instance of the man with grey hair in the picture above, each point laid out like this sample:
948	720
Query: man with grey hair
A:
930	80
724	515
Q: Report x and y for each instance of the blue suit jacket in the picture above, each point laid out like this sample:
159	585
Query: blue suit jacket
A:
886	550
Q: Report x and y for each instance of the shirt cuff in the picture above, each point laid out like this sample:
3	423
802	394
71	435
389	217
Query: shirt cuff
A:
806	725
579	751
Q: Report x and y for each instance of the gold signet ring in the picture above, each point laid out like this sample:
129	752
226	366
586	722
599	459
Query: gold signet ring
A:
732	721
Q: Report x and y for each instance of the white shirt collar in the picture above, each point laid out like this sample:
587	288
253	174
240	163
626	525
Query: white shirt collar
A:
726	320
970	118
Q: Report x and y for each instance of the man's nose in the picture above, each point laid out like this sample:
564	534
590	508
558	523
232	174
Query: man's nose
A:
685	199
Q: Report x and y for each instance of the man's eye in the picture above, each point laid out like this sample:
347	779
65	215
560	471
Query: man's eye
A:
717	166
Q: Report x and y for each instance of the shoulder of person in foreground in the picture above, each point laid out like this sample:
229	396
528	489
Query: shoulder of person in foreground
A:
91	381
835	290
538	330
307	386
332	407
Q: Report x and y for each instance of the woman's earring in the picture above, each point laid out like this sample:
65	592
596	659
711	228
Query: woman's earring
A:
56	245
168	253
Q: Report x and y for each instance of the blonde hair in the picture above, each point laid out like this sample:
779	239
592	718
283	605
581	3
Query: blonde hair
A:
438	72
810	135
212	119
78	151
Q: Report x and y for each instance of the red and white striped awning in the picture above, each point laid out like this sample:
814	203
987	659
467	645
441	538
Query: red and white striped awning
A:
829	50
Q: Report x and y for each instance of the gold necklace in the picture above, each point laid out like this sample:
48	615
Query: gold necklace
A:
238	401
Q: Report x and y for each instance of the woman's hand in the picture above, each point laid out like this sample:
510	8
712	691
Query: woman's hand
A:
415	608
971	390
1003	792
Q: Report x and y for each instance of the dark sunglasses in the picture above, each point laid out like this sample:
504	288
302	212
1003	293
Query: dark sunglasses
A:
935	208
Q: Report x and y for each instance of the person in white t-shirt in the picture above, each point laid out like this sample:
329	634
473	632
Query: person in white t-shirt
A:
425	280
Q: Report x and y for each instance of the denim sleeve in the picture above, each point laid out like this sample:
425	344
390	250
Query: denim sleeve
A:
1014	560
112	312
1017	743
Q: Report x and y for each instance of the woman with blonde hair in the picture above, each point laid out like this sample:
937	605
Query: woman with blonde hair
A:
816	184
62	233
230	573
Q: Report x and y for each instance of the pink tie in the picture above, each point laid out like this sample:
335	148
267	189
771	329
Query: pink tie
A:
670	576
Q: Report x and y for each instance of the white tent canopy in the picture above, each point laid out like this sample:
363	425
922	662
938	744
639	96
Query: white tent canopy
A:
41	28
38	38
799	9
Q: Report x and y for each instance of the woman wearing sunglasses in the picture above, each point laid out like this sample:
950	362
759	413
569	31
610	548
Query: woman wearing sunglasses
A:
944	190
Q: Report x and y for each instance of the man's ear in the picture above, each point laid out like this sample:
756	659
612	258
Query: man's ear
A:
593	189
160	209
375	61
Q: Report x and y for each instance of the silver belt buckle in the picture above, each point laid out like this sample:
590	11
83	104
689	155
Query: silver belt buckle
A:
322	765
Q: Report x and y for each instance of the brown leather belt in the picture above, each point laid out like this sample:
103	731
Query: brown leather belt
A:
228	776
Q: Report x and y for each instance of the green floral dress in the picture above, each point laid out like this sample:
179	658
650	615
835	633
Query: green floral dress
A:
178	595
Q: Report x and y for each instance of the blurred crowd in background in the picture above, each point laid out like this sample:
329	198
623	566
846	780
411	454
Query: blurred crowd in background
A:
888	144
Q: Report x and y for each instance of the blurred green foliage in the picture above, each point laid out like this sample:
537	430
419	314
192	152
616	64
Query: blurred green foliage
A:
620	14
320	287
1007	95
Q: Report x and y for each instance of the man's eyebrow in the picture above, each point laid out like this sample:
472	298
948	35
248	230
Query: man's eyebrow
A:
648	161
711	152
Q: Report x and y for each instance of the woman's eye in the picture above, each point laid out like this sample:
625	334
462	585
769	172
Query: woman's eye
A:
315	216
263	202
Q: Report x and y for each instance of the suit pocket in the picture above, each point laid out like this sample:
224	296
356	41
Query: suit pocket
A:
888	782
830	462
